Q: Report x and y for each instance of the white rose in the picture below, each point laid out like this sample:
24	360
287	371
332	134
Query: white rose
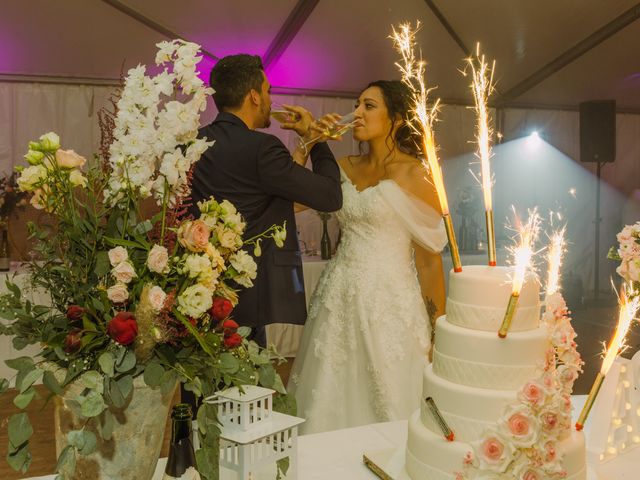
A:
34	157
30	177
209	278
227	237
195	300
50	141
77	179
524	470
227	208
157	297
195	265
118	255
158	259
123	272
523	428
118	293
242	262
494	451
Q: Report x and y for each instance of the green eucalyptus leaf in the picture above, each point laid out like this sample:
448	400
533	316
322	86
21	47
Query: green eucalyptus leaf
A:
107	424
92	405
267	376
19	429
168	382
23	399
51	382
127	363
67	460
115	393
4	385
228	363
20	459
93	381
153	374
21	363
19	343
107	363
126	385
30	378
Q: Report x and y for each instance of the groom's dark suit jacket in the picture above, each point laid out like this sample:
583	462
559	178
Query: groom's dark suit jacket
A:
255	172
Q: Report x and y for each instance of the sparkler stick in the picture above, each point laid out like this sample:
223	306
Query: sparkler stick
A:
482	86
522	254
446	431
413	71
554	261
629	304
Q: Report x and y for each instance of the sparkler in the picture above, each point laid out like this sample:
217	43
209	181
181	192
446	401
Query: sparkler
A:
629	305
424	118
482	86
446	431
554	261
522	253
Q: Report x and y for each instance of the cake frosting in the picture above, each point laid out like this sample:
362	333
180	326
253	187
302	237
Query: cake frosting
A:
476	377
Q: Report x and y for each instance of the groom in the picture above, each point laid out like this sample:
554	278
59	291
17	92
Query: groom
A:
255	172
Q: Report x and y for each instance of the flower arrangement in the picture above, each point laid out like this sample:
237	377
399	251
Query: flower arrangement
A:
524	443
628	254
133	297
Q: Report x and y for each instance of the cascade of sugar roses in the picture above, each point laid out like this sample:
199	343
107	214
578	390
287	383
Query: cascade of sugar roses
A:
135	298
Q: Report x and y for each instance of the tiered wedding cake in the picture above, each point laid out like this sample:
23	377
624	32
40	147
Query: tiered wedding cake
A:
504	399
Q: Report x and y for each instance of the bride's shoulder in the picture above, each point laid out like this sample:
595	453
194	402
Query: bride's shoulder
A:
410	175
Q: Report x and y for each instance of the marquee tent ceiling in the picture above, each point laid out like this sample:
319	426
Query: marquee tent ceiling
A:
549	53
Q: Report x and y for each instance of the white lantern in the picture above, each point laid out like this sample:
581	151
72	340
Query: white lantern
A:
252	434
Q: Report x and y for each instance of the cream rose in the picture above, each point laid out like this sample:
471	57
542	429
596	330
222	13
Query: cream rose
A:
227	237
158	259
195	300
31	177
69	159
533	393
50	141
216	258
157	296
38	200
77	179
118	293
194	235
124	272
117	255
34	157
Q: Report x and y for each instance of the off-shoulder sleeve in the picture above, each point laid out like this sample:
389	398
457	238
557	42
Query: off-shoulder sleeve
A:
423	222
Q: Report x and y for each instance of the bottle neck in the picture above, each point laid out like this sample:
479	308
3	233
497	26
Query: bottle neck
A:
181	429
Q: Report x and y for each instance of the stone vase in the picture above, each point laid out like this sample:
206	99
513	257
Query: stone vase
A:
134	448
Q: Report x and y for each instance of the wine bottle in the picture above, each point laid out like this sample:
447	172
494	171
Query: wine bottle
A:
4	252
182	459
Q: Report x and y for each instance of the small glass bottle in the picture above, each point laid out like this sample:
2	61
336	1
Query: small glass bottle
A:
181	463
4	252
325	242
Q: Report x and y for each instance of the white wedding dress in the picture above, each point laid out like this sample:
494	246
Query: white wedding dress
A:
366	339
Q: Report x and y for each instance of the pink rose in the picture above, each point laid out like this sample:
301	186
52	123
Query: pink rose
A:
549	420
124	272
69	159
518	424
117	255
531	475
118	293
492	449
194	235
532	393
157	297
522	425
550	450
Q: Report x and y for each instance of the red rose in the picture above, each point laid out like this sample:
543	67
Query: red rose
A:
229	327
123	328
232	340
221	308
73	341
75	312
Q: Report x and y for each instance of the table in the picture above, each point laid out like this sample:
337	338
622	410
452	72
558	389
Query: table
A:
337	455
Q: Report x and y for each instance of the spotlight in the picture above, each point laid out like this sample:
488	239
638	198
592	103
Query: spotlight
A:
533	140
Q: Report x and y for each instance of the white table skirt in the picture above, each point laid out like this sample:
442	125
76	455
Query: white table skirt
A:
337	455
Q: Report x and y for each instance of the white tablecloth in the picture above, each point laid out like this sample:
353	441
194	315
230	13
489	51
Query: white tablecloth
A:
337	455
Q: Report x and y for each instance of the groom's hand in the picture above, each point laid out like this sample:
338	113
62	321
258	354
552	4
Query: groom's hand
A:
302	120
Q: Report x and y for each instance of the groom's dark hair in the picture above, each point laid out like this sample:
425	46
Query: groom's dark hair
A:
233	77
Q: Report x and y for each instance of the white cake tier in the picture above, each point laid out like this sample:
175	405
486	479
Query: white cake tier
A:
482	359
478	298
430	457
467	410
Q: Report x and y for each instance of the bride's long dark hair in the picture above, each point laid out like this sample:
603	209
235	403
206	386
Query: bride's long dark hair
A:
397	99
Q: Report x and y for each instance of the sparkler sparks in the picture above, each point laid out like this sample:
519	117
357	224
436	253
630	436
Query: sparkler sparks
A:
423	120
554	261
482	86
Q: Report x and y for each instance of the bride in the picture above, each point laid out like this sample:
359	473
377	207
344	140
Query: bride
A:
367	336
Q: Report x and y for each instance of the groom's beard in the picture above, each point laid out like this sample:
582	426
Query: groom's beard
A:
265	112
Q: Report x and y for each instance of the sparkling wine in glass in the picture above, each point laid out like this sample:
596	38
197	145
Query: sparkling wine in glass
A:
282	115
338	129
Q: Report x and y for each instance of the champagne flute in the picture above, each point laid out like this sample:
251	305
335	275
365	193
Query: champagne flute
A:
338	129
282	115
